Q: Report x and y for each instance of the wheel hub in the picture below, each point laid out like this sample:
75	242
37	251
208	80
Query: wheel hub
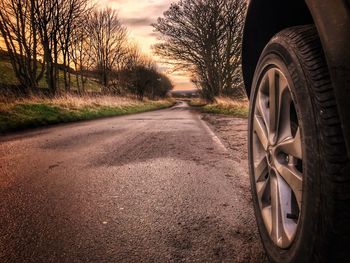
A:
270	157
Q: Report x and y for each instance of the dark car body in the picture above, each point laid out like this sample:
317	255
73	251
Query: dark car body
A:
265	18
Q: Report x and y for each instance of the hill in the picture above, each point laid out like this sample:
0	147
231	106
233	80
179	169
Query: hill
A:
8	77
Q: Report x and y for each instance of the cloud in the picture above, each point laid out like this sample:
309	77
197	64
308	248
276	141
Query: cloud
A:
136	22
160	8
154	34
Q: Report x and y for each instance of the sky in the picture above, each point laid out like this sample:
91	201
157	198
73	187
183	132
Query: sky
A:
138	15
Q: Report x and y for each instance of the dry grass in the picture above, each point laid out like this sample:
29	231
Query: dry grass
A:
231	103
224	105
20	113
198	102
73	102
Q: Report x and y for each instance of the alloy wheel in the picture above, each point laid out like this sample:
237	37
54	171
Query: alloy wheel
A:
277	157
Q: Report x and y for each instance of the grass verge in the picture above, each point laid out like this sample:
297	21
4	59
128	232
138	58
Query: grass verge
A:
36	112
225	106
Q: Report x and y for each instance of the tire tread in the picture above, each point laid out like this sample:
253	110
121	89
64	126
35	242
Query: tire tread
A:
305	40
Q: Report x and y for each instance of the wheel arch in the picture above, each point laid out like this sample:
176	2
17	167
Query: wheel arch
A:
265	18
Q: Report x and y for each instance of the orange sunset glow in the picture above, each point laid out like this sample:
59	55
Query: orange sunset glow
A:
138	15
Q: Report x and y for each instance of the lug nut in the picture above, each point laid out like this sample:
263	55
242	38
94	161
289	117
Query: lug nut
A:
283	158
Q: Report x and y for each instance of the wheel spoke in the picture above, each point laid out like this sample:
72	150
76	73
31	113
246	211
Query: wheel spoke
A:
277	86
261	132
293	178
262	102
262	191
283	122
274	105
261	170
275	209
292	146
284	194
266	213
279	197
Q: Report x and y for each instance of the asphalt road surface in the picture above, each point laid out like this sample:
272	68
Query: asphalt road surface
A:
152	187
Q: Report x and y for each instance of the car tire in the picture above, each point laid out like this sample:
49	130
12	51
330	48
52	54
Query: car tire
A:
297	153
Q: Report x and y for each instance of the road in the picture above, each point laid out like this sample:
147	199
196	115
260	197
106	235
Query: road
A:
152	187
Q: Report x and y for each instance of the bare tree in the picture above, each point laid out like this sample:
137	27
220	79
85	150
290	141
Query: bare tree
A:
45	25
73	33
204	37
140	76
20	34
80	54
56	20
72	15
47	17
108	37
131	58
